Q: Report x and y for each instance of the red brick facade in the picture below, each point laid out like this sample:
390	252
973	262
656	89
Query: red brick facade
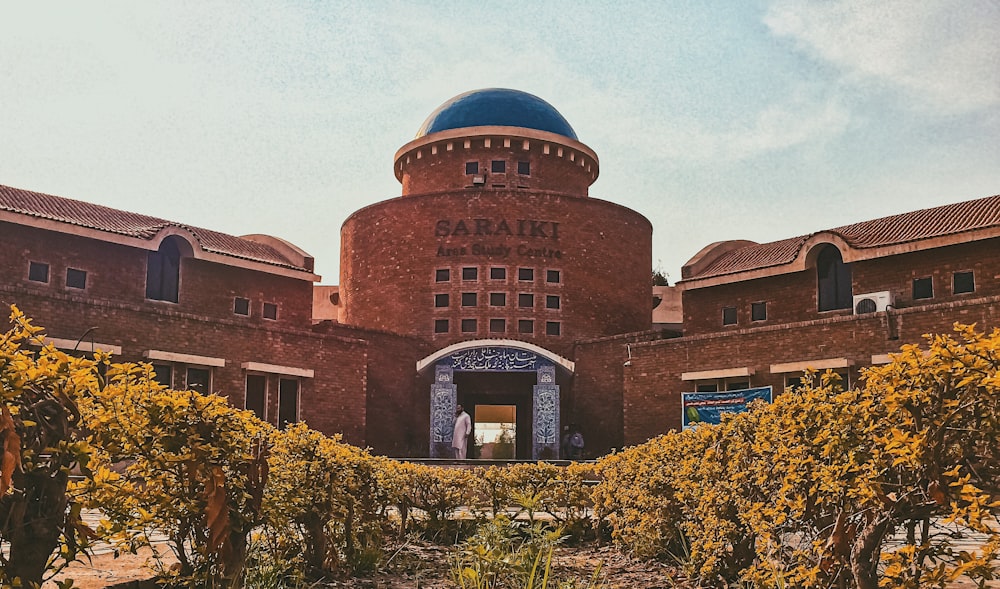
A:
588	262
397	407
495	241
201	331
652	384
791	297
794	334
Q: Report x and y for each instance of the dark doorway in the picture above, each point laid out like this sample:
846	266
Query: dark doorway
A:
500	388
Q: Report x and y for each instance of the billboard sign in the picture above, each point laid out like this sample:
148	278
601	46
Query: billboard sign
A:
698	408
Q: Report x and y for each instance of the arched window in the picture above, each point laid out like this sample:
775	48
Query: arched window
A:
163	272
833	280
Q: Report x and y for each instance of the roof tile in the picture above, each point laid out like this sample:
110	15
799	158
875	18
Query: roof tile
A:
896	229
101	218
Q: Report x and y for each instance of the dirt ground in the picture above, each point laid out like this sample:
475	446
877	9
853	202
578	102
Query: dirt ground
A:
409	567
425	566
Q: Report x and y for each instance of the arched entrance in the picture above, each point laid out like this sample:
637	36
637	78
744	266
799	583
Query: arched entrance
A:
498	374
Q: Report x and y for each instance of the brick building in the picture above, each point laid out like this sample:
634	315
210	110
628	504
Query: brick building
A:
497	257
209	311
759	315
496	281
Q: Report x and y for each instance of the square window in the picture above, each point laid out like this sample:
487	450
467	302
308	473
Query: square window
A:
469	299
525	326
498	325
256	394
758	311
469	326
76	278
199	379
552	328
729	315
524	168
525	300
470	273
498	299
442	275
164	374
737	385
471	167
241	306
792	382
526	274
963	282
707	387
441	300
498	274
38	272
498	166
923	288
552	276
551	302
270	311
440	326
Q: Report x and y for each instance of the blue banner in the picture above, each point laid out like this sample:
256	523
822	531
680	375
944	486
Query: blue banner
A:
698	408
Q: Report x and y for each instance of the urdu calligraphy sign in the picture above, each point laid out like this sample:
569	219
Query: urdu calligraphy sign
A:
496	359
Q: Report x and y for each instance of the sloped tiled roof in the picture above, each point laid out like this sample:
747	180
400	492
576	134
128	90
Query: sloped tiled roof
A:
101	218
896	229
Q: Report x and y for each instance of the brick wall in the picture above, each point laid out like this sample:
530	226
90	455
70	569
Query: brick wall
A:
652	385
398	402
201	324
792	297
113	271
118	273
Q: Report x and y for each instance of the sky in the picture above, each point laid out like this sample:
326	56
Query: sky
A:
716	120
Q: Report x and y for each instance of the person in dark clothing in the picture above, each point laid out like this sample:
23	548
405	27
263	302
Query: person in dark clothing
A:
576	443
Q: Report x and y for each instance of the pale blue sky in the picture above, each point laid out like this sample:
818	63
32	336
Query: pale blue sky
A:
716	120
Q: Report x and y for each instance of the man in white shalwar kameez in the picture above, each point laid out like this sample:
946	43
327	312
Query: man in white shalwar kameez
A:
460	437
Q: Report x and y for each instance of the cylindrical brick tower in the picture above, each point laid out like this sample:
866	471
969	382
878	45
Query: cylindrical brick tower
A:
495	237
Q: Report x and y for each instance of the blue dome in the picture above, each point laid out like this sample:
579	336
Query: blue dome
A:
496	107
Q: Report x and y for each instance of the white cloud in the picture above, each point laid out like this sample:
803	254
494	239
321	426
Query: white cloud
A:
943	53
797	120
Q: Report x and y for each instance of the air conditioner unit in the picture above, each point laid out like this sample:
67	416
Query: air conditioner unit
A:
479	180
873	302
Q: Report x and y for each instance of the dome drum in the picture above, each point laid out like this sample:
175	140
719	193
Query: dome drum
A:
535	160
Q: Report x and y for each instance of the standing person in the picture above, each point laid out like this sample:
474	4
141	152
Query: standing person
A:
460	437
576	443
564	444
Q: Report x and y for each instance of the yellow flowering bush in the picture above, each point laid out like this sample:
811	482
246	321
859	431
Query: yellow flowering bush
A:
859	489
40	443
809	491
637	495
436	492
329	496
191	466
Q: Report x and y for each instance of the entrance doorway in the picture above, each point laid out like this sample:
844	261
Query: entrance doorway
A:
497	372
481	393
496	431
